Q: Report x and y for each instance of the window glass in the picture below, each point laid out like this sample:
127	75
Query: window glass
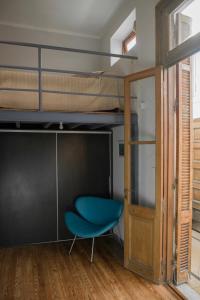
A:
129	42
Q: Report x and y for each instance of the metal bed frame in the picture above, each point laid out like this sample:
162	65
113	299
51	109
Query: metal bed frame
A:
99	120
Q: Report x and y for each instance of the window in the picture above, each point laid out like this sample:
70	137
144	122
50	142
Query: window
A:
123	36
129	42
178	30
185	23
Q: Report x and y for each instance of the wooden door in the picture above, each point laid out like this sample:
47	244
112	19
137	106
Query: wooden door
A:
143	222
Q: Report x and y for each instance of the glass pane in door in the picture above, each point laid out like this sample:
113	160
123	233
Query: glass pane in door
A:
143	170
143	109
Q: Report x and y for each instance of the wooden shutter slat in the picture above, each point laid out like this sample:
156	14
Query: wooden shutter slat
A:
184	172
196	164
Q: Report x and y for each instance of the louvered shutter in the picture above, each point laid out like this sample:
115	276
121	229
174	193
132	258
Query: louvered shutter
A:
184	172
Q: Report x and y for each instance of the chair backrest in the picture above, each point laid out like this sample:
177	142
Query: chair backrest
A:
99	210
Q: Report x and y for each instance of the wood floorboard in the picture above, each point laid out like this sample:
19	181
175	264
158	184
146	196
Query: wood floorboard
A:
46	272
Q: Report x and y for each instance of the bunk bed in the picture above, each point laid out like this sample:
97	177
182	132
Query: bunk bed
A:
58	96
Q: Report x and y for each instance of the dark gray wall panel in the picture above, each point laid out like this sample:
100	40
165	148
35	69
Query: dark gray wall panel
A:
83	169
27	188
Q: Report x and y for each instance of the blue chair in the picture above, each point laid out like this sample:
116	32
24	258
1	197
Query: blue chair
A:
94	217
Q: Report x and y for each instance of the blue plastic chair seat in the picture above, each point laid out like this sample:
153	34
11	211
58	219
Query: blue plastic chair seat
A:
82	228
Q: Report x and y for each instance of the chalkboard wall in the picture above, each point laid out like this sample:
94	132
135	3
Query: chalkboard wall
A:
41	174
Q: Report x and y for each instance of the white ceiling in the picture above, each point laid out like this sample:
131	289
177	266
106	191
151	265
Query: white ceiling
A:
80	17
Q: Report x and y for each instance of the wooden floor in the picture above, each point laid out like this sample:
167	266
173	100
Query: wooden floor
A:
47	272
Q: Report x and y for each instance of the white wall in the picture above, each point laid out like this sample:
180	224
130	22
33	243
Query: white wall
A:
25	56
145	51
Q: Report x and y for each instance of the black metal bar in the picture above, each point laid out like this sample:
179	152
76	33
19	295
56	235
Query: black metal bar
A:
19	90
60	92
89	74
68	49
40	78
64	93
82	94
19	67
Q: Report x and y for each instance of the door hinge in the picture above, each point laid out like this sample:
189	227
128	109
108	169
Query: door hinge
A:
164	206
174	269
176	105
174	263
175	184
163	267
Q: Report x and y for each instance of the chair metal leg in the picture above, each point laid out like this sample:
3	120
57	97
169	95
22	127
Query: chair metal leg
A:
92	254
70	250
120	240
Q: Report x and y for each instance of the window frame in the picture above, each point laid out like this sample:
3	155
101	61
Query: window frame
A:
164	55
127	40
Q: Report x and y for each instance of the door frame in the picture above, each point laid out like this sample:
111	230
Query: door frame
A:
169	58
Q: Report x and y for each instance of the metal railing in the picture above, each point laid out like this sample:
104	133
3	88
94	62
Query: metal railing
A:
40	70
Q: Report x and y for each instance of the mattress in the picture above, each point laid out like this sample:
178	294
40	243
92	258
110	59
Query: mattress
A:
18	100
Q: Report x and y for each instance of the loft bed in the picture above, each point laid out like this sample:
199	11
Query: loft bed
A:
71	99
52	104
